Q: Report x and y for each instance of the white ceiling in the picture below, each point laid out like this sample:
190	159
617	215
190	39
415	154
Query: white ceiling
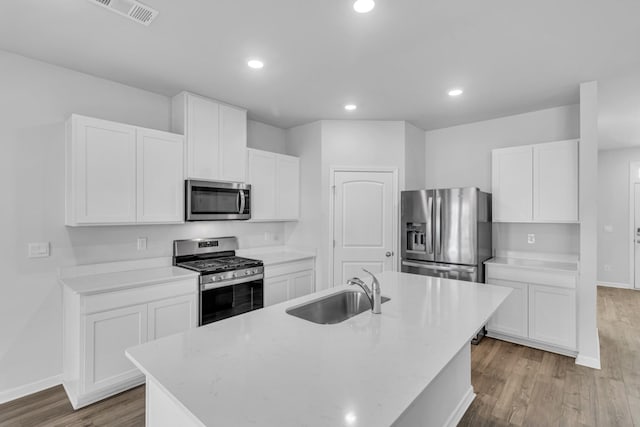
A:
396	62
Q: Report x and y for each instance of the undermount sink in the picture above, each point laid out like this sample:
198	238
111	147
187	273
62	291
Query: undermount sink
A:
334	308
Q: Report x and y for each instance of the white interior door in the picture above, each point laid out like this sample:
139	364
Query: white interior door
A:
636	234
363	223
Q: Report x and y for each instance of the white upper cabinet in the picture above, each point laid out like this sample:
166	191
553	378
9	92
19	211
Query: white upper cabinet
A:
262	177
275	186
555	182
216	137
233	143
512	184
122	174
100	172
203	143
288	184
160	177
536	183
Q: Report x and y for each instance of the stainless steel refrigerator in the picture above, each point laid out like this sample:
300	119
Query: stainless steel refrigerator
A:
446	233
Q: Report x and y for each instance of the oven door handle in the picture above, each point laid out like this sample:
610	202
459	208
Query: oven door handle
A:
238	281
242	202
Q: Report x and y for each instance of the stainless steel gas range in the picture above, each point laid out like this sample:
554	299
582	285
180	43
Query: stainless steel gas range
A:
229	285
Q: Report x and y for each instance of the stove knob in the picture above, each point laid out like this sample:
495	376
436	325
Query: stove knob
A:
234	275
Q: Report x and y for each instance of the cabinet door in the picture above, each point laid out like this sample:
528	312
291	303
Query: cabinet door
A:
302	283
171	316
555	182
203	138
160	177
107	336
276	290
511	317
262	177
233	143
103	172
288	185
512	184
552	315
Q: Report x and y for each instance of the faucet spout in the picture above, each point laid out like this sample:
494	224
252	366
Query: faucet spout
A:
373	295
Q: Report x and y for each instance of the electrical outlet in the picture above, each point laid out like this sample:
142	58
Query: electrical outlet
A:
142	243
531	239
38	250
607	267
608	228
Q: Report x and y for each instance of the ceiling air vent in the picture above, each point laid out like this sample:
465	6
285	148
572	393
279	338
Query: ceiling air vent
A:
132	9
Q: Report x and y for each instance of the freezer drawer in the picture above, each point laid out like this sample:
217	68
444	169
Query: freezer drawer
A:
467	273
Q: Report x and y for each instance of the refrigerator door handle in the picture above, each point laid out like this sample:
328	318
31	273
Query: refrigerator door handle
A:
438	232
438	267
430	225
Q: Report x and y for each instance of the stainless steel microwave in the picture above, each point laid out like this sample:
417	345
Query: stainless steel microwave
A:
216	201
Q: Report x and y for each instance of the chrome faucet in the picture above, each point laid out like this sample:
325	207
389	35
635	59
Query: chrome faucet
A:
374	295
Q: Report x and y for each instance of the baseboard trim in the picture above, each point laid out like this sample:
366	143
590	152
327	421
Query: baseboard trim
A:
615	285
462	407
588	361
80	401
27	389
533	344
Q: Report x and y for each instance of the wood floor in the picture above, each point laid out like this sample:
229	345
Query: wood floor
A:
515	385
519	386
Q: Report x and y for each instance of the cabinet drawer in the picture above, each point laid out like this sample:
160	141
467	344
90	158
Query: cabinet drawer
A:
542	277
139	295
288	268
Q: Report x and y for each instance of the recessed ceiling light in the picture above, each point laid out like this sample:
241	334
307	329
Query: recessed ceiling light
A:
255	63
350	107
455	92
364	6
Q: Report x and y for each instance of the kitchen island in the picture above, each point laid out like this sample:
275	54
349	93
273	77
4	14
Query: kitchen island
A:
409	365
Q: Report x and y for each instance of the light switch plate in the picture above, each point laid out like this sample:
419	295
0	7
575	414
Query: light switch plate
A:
142	243
38	250
531	238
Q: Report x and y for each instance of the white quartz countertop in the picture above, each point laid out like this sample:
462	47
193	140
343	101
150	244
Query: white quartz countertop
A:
275	255
269	368
112	281
535	264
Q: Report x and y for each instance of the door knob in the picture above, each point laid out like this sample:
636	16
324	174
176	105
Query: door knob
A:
388	254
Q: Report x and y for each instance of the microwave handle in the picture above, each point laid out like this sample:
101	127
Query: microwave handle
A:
242	202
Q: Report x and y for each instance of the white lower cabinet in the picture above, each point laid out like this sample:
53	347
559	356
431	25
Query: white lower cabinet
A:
290	280
540	311
511	318
107	336
171	316
98	328
276	290
553	315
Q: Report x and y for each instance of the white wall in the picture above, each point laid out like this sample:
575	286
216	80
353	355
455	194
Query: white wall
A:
266	137
37	98
550	239
613	211
305	142
414	156
460	156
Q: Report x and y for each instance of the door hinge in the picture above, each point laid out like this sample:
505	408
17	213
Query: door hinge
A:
334	243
